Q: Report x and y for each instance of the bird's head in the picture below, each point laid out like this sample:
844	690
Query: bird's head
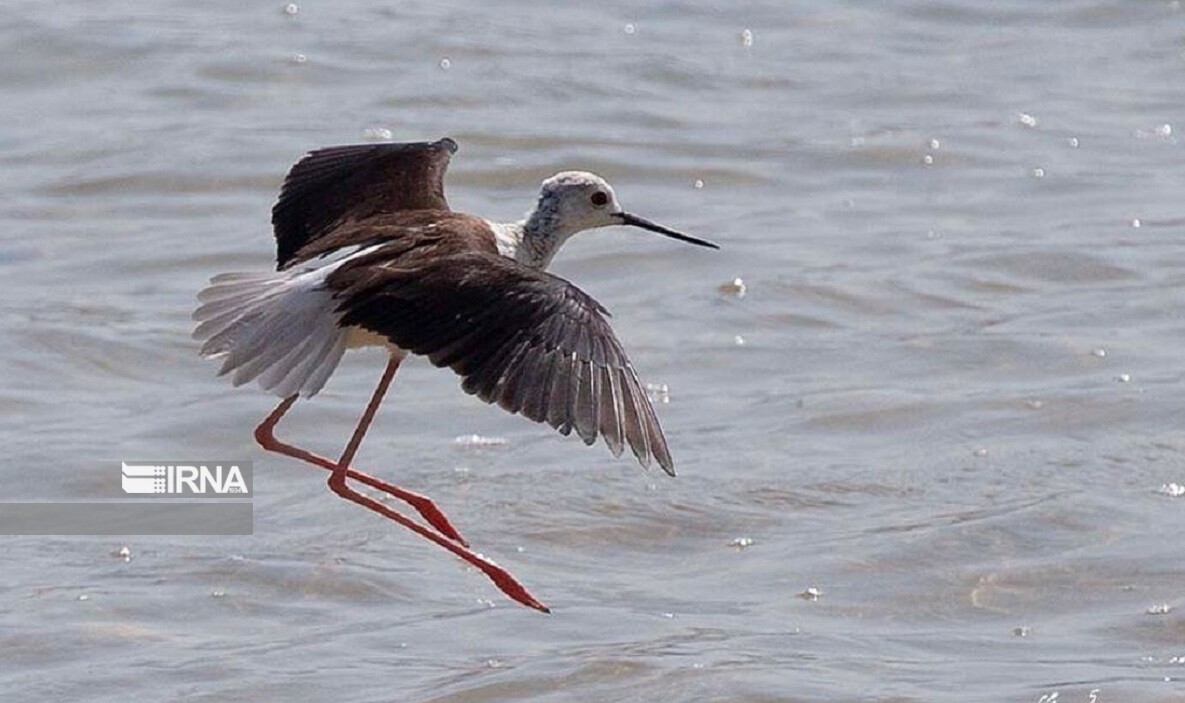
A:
573	201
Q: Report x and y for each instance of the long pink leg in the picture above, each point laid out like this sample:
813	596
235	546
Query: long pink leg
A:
368	415
265	436
502	578
447	537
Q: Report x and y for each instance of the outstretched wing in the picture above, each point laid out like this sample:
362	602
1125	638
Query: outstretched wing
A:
357	181
524	339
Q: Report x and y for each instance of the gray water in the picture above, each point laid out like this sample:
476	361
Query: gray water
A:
948	399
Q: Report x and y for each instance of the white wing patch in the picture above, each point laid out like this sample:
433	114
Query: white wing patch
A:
276	328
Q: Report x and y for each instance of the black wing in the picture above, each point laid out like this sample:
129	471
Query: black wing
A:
524	339
357	181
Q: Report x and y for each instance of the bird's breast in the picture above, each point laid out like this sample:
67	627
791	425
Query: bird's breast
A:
357	337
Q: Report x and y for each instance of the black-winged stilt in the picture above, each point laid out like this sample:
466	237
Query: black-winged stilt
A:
369	253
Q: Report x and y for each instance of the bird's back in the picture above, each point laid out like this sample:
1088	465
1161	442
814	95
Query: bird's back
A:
423	232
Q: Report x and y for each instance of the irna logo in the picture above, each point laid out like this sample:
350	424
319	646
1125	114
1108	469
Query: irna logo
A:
197	479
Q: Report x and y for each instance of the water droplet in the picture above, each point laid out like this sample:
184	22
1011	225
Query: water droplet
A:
629	28
125	553
736	288
981	452
84	597
1160	132
476	440
218	593
1160	609
1027	120
1136	224
698	184
1124	378
445	63
934	144
1035	404
1022	631
291	9
1073	141
1100	352
746	37
658	392
812	593
300	58
741	542
928	160
669	616
1172	490
377	133
1038	172
738	340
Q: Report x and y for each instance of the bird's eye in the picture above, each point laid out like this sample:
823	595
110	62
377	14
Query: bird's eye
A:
599	198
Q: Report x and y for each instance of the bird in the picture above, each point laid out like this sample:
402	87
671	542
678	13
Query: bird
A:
368	253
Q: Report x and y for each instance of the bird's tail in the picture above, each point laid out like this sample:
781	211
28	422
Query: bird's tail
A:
277	328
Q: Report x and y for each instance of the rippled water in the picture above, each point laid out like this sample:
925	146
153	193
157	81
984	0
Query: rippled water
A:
946	400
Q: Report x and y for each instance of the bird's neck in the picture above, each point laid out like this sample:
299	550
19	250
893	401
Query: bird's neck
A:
533	241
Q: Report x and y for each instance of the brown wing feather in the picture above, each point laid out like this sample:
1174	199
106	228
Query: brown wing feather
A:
356	182
524	339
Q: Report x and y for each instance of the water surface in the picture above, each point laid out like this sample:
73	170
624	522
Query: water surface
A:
946	401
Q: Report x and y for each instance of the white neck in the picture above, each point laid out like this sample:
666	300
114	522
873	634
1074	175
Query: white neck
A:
531	242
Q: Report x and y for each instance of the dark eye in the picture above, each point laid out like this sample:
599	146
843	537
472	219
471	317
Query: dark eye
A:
599	198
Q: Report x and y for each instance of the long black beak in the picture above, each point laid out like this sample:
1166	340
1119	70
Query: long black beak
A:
635	221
